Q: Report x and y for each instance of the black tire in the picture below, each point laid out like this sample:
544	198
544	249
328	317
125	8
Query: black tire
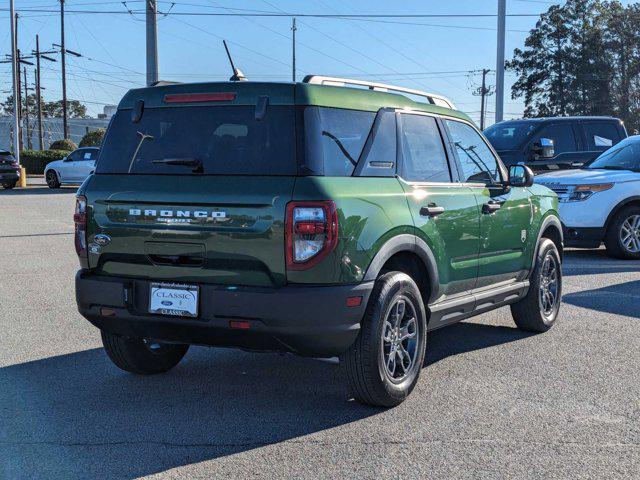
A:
534	312
137	355
9	186
613	239
365	363
52	179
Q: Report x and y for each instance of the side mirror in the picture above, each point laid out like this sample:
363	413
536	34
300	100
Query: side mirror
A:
520	176
544	148
66	159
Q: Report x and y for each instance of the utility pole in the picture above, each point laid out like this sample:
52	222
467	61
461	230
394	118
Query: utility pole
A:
502	12
65	126
152	42
293	50
37	53
15	65
483	92
26	108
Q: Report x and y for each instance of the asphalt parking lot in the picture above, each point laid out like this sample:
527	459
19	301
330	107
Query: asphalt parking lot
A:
493	402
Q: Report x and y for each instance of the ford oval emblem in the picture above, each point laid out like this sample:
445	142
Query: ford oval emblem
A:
102	239
166	303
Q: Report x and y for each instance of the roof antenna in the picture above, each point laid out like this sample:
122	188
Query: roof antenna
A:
237	76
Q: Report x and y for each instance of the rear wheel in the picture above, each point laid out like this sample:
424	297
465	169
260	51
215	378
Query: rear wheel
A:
623	236
52	179
538	310
384	363
9	185
142	356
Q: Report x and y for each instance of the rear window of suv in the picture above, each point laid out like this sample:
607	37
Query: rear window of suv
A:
224	140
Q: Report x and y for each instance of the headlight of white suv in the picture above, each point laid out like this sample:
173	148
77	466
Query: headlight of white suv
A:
579	193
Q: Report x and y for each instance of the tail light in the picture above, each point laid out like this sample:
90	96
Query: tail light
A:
80	221
311	233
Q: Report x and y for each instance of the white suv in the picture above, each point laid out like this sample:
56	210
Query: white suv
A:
601	201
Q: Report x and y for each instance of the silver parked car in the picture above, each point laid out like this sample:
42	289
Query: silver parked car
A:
72	169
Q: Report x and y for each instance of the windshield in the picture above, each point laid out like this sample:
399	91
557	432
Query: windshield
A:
623	156
225	140
509	135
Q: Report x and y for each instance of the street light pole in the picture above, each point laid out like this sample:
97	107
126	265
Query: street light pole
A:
14	71
502	11
65	126
152	42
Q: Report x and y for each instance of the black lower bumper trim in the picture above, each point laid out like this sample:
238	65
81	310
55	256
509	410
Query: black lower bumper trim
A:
306	320
583	237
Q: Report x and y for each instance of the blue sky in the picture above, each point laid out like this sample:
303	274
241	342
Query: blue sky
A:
434	54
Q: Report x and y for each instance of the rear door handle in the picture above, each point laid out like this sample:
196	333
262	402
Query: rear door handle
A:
491	207
431	210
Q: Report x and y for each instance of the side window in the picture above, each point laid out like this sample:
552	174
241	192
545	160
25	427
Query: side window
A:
478	163
380	154
601	136
75	156
423	155
87	155
334	139
562	135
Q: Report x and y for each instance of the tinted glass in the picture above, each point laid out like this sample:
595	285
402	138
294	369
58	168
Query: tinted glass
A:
88	154
380	156
562	135
423	154
601	136
623	156
334	139
509	135
477	160
225	140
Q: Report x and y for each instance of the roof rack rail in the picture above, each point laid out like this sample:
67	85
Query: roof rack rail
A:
380	87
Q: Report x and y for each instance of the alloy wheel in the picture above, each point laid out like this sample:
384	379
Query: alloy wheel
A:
548	291
630	234
400	339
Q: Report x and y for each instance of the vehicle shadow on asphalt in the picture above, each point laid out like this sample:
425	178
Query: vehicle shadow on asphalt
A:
466	337
78	416
619	299
16	192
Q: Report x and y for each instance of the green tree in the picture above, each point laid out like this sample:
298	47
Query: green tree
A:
49	109
93	138
581	59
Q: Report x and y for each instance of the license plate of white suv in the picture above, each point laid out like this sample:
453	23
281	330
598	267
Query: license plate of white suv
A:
173	299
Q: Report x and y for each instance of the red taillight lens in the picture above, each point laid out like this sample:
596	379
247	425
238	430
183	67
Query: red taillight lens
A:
80	221
311	233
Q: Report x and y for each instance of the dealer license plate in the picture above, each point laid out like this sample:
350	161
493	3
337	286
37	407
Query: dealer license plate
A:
173	299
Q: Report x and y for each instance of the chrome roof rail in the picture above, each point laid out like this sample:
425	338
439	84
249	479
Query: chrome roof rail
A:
379	87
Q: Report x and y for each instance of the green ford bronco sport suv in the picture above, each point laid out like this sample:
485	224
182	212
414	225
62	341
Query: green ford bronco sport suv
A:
316	218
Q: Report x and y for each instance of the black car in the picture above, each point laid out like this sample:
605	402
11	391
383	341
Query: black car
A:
9	170
555	142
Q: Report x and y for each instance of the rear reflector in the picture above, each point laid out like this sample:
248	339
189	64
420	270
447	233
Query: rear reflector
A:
354	301
240	325
199	97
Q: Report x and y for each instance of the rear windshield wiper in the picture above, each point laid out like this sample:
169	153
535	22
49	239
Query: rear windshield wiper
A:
340	146
194	163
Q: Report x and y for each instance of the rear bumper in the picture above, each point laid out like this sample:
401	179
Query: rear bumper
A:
583	237
306	320
11	176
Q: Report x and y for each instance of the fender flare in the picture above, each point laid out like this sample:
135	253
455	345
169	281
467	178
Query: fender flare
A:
406	243
549	220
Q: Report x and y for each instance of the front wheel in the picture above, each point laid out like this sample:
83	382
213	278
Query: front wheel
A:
9	186
623	236
142	356
52	179
384	363
538	310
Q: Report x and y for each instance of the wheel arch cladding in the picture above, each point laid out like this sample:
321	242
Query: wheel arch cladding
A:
550	228
411	245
